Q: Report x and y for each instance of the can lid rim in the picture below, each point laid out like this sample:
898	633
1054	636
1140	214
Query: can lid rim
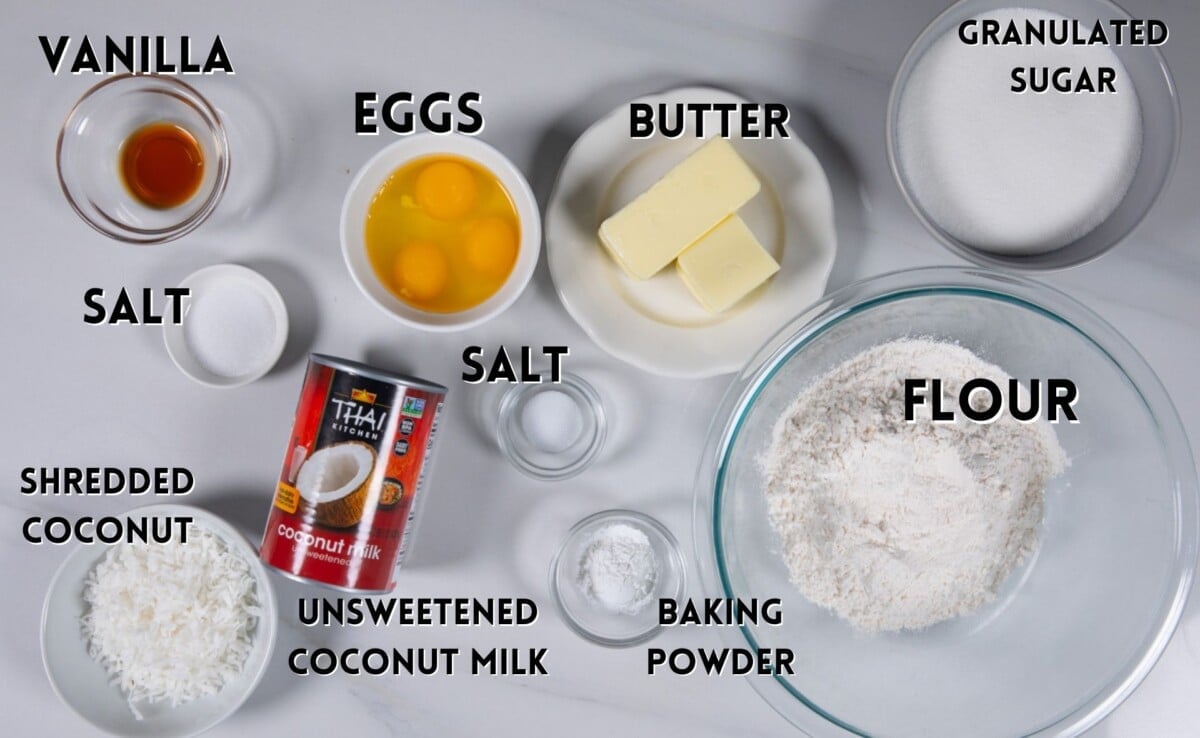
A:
371	372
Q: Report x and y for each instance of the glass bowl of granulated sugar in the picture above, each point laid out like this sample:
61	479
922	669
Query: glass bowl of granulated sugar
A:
973	498
1033	135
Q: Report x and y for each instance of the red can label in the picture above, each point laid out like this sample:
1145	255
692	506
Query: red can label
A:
347	496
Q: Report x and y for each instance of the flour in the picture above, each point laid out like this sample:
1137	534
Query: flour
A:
619	569
896	525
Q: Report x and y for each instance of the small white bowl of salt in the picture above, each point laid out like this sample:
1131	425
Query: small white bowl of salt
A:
233	328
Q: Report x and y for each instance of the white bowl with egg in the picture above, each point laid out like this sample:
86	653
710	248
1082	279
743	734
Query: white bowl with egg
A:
85	686
368	182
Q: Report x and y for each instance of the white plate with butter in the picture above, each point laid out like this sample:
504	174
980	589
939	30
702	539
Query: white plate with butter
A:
657	324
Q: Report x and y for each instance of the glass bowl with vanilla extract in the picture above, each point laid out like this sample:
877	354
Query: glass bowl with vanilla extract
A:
143	158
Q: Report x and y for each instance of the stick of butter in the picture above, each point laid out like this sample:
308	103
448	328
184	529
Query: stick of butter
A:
725	265
701	191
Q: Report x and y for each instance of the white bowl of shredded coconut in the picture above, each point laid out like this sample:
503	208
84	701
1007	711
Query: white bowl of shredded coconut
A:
948	578
162	639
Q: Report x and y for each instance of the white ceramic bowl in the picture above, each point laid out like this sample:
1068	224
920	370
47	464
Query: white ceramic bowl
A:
218	276
656	324
82	682
372	176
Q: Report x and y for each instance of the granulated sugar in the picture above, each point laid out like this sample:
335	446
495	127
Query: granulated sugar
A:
1008	172
896	525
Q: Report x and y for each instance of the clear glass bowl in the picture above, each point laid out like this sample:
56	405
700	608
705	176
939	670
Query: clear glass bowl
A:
1160	113
1073	632
589	618
533	458
89	148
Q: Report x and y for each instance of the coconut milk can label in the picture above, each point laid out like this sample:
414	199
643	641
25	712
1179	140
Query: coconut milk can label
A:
345	501
357	409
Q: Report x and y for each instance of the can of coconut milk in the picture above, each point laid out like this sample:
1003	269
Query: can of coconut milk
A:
349	493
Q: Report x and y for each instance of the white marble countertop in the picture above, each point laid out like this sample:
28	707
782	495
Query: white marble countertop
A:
77	395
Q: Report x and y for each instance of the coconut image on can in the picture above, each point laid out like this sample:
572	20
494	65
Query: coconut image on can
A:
348	496
334	483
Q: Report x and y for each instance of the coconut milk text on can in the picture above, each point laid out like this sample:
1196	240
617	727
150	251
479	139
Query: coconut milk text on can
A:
353	476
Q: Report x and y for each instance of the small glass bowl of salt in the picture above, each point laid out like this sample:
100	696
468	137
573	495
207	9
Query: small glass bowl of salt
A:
551	430
611	571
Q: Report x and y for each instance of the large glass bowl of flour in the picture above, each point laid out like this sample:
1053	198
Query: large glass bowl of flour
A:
1032	180
1074	629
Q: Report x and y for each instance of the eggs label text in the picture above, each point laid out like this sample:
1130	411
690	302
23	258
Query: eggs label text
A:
400	112
703	120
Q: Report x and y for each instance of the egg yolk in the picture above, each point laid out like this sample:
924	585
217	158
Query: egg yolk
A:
442	234
491	246
445	190
421	271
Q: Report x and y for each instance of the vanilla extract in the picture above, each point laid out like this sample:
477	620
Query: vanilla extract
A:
135	55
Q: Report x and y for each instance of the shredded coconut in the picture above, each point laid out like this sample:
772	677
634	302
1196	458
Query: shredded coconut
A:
170	622
896	525
619	569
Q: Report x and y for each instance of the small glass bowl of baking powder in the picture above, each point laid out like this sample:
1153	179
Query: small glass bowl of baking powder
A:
610	573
